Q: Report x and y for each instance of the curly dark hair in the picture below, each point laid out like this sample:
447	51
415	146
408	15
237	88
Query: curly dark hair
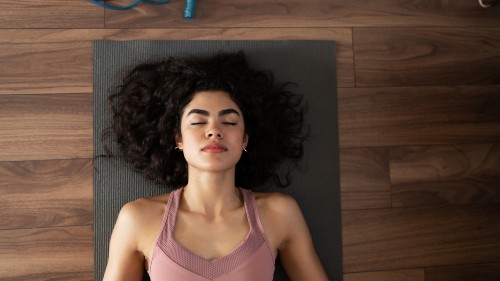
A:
148	105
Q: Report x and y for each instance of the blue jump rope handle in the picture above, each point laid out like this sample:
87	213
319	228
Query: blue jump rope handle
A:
189	10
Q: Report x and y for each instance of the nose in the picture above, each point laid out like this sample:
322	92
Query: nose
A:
214	131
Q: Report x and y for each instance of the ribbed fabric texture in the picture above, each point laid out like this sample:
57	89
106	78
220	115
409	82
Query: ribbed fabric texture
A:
251	259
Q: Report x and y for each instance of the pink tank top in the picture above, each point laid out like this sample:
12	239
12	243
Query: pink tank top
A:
251	260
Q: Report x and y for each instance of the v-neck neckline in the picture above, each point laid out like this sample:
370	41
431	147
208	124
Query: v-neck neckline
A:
210	268
225	257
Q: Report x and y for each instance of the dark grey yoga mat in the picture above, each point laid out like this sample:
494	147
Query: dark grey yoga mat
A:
310	64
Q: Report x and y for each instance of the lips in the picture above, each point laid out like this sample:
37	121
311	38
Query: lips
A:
214	148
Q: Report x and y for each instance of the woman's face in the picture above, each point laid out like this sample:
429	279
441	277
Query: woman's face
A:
212	132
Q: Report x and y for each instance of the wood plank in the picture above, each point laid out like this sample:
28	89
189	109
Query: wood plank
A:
63	190
51	14
426	56
364	178
59	276
39	68
399	238
41	127
46	253
372	117
436	175
60	61
470	272
313	13
395	275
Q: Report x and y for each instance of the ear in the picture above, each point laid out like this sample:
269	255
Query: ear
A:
178	140
245	140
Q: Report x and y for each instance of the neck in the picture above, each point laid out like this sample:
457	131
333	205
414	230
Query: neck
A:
211	194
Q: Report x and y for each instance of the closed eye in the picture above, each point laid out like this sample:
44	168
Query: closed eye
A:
229	123
198	123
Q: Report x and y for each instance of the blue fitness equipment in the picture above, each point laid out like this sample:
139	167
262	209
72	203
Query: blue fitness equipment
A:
188	11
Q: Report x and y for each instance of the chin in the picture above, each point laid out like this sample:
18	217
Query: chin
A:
215	167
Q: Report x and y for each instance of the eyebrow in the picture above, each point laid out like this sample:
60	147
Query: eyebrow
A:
221	113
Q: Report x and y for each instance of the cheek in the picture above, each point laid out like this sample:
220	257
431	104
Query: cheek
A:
239	140
190	138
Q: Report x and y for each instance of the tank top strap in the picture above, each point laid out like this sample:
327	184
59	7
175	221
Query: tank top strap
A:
251	209
253	217
172	210
168	223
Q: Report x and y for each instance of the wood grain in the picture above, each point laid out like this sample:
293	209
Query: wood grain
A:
420	131
39	68
397	238
396	275
46	61
436	175
51	14
41	127
313	13
364	178
426	56
469	272
45	253
372	117
46	193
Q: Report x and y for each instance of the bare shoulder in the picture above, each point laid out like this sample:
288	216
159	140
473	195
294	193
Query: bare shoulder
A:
289	235
132	238
136	214
279	214
276	202
139	221
148	202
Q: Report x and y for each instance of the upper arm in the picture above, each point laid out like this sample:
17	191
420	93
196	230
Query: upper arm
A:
125	261
297	254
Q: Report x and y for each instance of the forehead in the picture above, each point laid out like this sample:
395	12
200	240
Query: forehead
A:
211	101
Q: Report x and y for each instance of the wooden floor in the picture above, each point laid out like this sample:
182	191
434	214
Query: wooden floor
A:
419	110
